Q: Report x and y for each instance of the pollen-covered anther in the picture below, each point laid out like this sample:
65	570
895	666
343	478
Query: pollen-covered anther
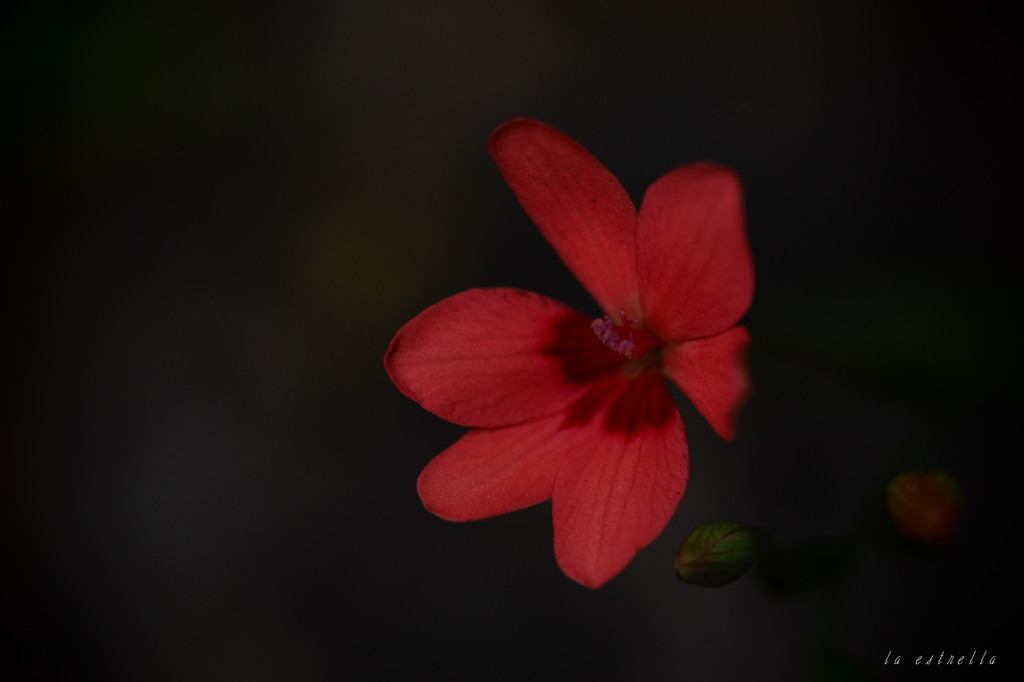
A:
616	338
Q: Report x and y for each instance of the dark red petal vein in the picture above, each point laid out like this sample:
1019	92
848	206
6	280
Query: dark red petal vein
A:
622	478
581	356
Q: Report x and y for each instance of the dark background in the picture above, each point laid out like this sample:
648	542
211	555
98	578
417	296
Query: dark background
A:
221	213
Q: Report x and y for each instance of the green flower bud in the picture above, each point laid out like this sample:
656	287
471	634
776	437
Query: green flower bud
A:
716	554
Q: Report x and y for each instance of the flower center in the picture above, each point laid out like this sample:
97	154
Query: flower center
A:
616	338
628	339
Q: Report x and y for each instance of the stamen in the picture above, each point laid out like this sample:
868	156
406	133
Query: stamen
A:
612	337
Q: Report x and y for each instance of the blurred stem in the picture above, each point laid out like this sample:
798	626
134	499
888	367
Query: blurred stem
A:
829	563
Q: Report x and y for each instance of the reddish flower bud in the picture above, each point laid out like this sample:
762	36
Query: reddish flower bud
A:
925	505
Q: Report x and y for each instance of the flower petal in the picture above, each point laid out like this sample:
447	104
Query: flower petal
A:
620	482
579	206
494	471
693	260
495	357
713	374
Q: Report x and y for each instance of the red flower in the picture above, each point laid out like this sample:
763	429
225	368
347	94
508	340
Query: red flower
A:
574	410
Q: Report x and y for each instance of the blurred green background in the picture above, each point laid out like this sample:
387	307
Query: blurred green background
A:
221	213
